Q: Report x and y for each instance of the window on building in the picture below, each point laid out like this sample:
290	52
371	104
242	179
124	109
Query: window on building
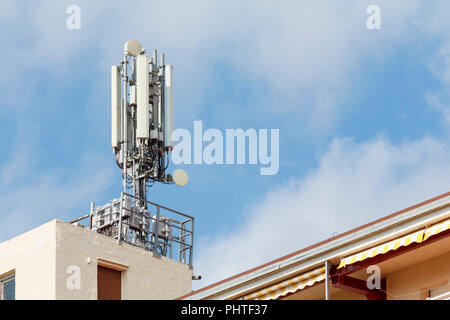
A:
439	293
8	287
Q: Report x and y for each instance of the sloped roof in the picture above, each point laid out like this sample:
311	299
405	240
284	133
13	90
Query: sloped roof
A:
224	281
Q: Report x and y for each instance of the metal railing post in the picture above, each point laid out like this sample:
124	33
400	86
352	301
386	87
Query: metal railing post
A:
90	215
155	245
191	249
168	240
119	236
181	244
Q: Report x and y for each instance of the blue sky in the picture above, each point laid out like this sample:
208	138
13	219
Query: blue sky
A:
363	114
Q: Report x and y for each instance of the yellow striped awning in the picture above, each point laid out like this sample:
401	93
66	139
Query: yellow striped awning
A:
383	248
418	237
437	228
288	286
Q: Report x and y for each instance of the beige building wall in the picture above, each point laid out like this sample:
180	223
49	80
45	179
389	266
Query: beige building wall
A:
44	260
32	257
414	281
147	277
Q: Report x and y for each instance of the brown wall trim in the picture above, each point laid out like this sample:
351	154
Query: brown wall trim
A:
112	265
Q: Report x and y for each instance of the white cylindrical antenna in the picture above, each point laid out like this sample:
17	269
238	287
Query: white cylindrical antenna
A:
142	92
133	71
161	57
155	99
116	116
133	101
168	105
155	57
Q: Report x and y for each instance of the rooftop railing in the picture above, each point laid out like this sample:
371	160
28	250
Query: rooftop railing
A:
146	224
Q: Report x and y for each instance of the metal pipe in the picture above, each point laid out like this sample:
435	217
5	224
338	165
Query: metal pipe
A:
119	236
125	123
170	247
91	214
162	207
155	247
191	252
181	228
79	219
327	280
181	247
181	243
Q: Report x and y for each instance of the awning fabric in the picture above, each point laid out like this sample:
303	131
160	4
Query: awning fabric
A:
383	248
418	237
437	228
289	286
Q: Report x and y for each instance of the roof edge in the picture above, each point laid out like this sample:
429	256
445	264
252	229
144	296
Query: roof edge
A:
315	245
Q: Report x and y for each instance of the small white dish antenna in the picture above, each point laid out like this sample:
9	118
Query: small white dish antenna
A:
132	48
180	177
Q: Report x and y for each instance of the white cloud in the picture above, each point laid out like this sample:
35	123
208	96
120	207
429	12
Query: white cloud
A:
434	24
353	184
29	197
440	66
305	54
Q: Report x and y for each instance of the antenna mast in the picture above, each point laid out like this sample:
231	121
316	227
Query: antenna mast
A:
141	137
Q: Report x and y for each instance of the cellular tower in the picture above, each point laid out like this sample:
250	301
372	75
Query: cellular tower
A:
141	128
142	119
